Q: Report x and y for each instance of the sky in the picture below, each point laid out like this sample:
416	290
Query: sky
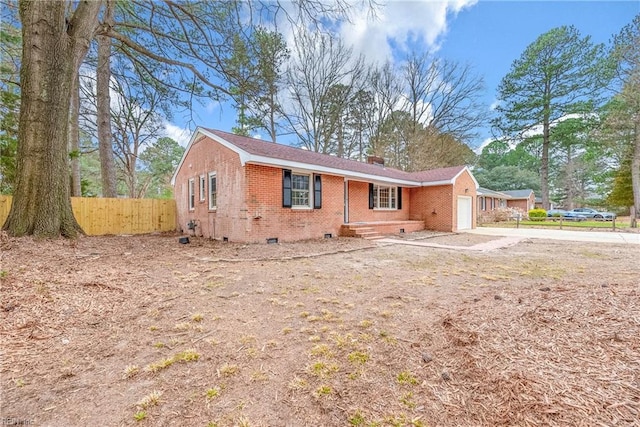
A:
486	34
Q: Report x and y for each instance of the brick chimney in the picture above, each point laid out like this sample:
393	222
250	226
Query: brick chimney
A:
375	160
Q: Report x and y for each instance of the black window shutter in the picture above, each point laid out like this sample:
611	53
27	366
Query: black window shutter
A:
317	191
370	196
399	197
286	188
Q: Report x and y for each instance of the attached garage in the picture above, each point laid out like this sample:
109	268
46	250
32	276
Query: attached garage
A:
465	213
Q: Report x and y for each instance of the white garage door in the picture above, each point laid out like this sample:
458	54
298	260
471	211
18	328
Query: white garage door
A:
464	213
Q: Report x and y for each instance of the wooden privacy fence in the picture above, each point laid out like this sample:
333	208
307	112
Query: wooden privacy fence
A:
99	216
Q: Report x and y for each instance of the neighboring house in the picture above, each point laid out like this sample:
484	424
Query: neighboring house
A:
489	200
235	188
524	200
539	204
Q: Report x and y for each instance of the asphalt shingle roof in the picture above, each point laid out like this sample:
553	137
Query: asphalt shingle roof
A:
519	194
491	193
286	152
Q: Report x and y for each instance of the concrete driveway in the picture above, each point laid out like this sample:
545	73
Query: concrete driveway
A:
578	236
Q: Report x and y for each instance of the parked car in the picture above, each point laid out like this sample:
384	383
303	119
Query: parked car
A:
592	213
568	215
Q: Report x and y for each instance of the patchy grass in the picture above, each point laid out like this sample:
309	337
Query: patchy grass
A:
140	415
228	370
131	371
183	356
358	357
152	399
406	377
212	393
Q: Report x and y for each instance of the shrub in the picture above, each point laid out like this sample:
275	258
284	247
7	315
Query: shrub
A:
496	215
537	214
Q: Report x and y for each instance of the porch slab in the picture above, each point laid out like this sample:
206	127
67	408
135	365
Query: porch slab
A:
378	229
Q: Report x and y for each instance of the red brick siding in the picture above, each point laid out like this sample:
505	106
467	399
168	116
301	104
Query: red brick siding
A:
228	220
249	200
267	217
433	205
518	204
438	206
359	205
523	205
491	203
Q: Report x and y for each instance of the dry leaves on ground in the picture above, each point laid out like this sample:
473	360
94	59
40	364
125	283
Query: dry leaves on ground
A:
142	330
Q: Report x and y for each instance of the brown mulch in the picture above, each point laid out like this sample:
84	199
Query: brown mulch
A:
331	332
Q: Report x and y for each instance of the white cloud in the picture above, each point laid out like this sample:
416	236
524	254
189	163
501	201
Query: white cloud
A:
211	106
400	23
178	134
484	143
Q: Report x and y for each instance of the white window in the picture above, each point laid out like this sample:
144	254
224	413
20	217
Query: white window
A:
300	191
192	194
213	190
384	197
203	190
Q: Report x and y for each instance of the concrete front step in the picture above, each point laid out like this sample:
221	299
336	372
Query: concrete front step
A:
378	229
360	231
371	235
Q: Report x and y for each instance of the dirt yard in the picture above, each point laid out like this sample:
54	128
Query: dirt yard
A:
144	331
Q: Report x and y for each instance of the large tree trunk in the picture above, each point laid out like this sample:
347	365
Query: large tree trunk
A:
53	48
103	78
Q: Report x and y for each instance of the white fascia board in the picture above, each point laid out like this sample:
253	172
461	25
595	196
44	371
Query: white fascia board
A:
268	161
437	183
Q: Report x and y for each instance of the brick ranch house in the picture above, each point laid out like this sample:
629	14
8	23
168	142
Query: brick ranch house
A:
523	200
235	188
489	200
